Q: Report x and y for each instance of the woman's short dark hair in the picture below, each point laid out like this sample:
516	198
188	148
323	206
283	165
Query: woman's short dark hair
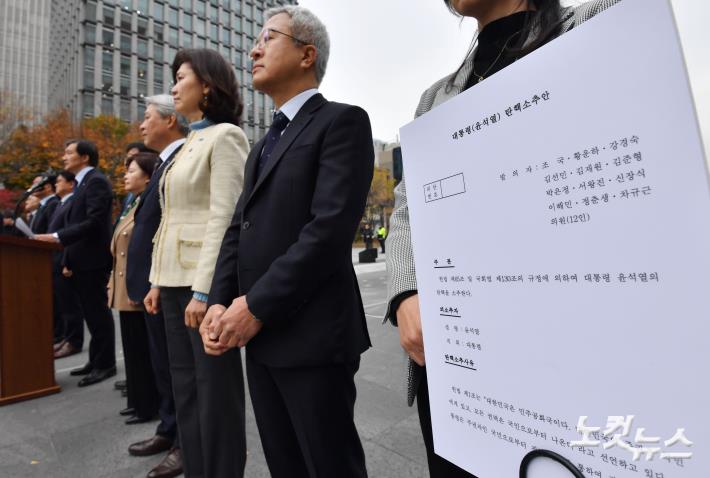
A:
86	148
224	103
145	161
142	148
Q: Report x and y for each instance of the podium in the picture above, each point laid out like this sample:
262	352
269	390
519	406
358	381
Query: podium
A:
26	320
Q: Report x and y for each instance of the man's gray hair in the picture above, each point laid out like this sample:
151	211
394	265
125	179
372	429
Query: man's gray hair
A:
307	27
165	106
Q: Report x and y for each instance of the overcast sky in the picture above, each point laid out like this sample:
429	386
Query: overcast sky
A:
384	53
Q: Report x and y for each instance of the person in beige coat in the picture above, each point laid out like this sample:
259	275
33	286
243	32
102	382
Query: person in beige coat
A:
142	394
198	194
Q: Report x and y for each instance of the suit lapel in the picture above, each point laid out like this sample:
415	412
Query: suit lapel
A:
155	179
303	117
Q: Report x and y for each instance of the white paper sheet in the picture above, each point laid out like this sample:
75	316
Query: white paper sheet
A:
562	247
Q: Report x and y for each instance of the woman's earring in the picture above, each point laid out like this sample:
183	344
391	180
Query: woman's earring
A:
204	101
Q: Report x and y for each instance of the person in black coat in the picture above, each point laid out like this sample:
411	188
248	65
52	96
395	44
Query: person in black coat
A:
86	238
164	131
68	325
48	202
284	285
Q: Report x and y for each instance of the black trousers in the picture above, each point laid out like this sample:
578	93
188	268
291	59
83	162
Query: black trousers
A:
68	317
90	286
305	420
438	466
140	382
158	347
209	396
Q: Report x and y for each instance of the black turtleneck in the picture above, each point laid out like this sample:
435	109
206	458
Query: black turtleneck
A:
491	41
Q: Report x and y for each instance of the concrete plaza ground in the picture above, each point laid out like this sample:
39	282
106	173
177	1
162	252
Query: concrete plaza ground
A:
78	432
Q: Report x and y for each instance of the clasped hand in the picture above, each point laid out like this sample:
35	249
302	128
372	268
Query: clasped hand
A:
225	328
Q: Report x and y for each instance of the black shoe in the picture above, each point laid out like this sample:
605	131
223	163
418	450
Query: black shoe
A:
97	375
136	420
128	411
151	446
119	384
85	370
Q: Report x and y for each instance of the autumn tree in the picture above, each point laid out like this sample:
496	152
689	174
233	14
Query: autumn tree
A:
380	199
32	150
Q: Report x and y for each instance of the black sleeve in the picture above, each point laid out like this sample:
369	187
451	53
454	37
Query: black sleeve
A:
225	281
345	168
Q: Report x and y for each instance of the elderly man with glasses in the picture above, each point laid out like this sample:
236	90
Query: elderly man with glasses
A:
284	284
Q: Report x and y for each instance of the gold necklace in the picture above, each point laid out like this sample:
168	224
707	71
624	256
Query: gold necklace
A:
505	45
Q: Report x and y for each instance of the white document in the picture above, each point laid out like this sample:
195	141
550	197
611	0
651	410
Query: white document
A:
22	226
560	218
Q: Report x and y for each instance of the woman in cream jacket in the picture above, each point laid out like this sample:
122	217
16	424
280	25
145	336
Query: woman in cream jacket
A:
198	193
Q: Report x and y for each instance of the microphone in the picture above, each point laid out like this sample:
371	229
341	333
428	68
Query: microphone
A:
39	185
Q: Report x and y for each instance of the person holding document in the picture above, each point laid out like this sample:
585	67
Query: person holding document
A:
507	31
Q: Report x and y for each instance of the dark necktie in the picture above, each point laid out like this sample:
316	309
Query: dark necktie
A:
272	137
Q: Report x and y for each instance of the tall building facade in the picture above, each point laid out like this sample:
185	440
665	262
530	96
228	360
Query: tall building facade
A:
107	55
24	52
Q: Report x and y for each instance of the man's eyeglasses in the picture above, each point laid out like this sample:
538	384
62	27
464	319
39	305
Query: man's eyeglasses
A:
267	34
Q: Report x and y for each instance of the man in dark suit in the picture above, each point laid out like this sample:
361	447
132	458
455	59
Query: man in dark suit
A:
68	323
284	284
48	202
86	238
162	131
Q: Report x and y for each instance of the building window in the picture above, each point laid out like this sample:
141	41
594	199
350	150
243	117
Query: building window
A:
187	5
158	52
107	105
107	61
125	86
90	33
214	15
200	7
109	16
143	70
126	23
143	7
142	89
173	38
106	82
158	12
125	43
237	5
172	51
200	43
225	17
187	22
91	11
88	104
158	78
214	32
199	26
88	79
173	17
125	65
125	109
237	40
142	26
249	28
107	37
186	40
142	47
89	56
225	35
237	24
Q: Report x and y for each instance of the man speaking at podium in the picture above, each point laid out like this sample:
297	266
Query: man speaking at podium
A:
86	238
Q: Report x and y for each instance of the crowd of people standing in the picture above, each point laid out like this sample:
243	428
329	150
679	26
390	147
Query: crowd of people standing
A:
219	247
